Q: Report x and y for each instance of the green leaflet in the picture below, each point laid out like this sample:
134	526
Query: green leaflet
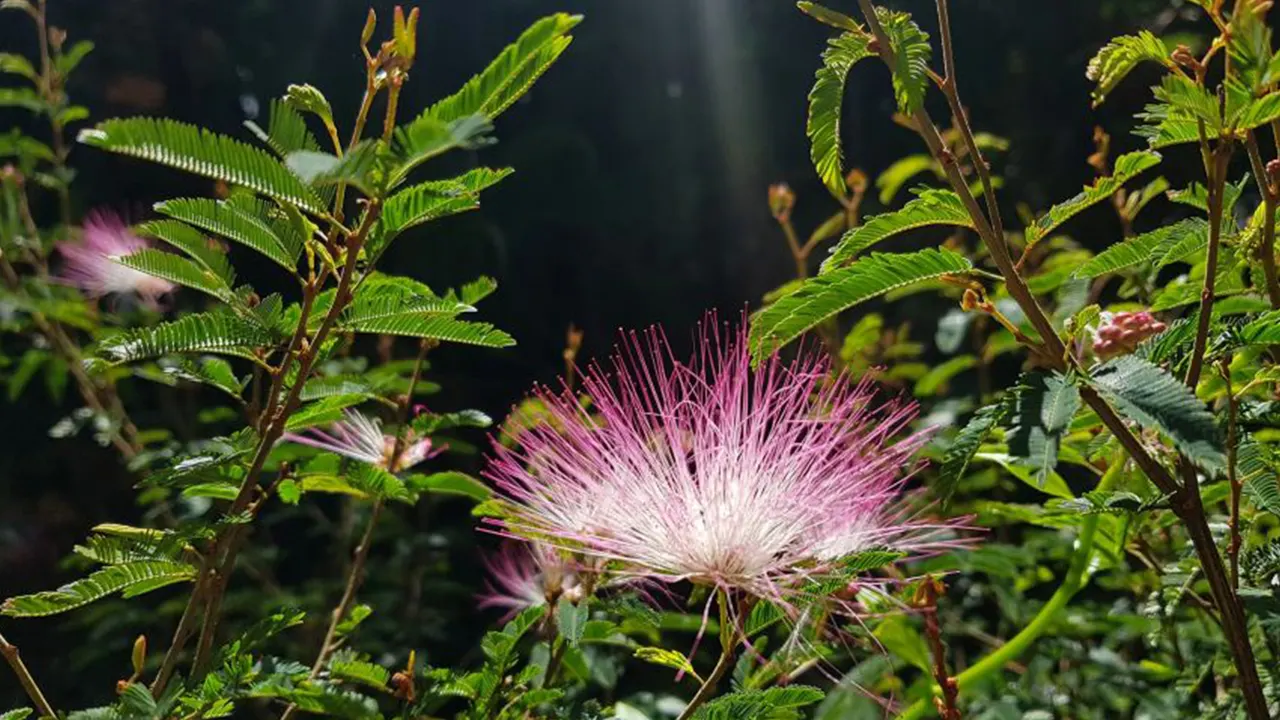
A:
179	270
511	73
237	222
826	104
822	297
1155	399
202	152
217	331
130	578
1159	247
1127	167
1117	58
930	207
1042	412
911	55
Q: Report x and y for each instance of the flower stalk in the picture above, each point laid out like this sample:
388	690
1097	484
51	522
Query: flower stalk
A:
29	685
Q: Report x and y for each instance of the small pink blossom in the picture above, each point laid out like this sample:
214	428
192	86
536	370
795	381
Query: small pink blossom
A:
711	472
92	266
1120	333
361	438
524	575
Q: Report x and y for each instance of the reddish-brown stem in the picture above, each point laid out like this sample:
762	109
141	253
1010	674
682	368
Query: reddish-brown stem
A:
947	706
1267	249
1220	155
29	685
1233	544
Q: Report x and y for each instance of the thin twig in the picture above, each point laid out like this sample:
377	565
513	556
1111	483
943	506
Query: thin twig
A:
1267	250
1233	545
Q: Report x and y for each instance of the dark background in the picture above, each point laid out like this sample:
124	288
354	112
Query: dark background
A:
642	161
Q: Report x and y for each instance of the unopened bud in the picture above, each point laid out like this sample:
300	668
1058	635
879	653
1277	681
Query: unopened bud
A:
970	301
9	173
781	201
1121	333
1183	56
856	180
139	656
57	37
370	23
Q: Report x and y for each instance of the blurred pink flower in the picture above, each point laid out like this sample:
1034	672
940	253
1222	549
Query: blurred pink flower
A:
360	438
711	472
91	263
1121	333
524	575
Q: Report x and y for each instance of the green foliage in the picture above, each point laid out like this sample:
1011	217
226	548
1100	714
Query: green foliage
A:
512	73
129	578
781	703
826	101
202	152
1155	399
911	55
1119	57
1042	412
822	297
930	207
218	331
248	224
1126	168
1159	247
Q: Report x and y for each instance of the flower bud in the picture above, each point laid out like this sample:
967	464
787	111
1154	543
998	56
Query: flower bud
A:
1121	333
781	201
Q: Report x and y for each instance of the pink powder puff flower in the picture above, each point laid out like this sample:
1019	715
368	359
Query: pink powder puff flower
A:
92	266
1120	333
524	575
361	438
708	471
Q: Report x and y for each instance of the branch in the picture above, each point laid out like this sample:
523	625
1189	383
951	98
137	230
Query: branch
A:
11	656
1267	251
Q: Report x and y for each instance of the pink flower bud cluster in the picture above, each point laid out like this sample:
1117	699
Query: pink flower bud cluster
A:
1120	333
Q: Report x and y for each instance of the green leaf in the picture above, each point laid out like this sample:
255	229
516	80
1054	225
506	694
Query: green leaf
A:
450	482
306	98
1263	330
826	295
512	73
1258	112
232	221
900	173
1176	116
1117	58
828	16
1127	167
1050	483
911	55
429	136
435	327
348	667
202	152
931	207
17	65
1256	470
1160	247
1042	412
218	331
428	201
358	480
70	57
24	98
177	269
903	641
192	243
286	131
148	574
667	658
826	101
328	409
1153	398
777	703
212	371
960	453
941	374
571	620
19	714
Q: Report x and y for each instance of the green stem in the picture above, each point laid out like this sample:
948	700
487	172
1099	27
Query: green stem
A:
1077	577
727	642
